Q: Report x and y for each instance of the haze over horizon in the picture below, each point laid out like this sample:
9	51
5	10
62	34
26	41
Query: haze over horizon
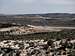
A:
36	6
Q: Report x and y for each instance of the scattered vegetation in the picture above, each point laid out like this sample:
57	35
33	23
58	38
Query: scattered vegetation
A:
41	35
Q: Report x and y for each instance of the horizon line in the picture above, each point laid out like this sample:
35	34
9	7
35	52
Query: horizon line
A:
36	13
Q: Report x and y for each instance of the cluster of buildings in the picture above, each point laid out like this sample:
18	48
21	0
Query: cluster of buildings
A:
21	30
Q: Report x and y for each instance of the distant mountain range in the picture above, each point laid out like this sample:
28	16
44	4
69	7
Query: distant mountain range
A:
49	19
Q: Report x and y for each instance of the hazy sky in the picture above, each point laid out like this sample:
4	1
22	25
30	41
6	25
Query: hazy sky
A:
36	6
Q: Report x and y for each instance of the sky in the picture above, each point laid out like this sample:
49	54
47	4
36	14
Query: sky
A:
36	6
